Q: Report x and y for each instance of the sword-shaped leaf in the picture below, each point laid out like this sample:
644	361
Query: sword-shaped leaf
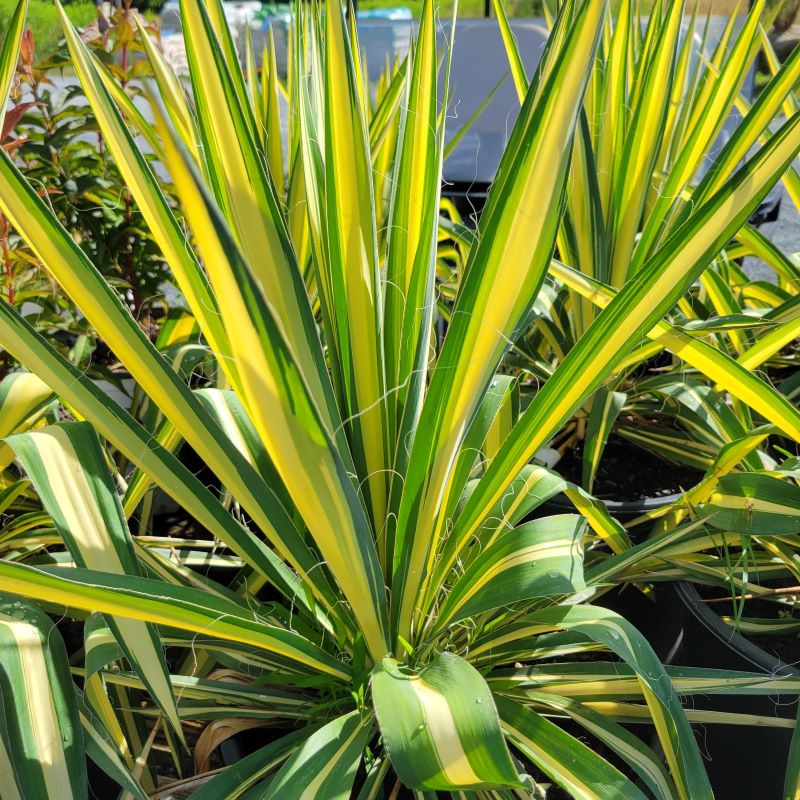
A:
623	742
285	414
716	365
324	766
9	55
137	444
634	310
349	261
179	607
102	749
151	201
565	759
41	747
538	559
663	706
606	407
23	399
122	333
249	771
751	502
68	469
241	185
440	726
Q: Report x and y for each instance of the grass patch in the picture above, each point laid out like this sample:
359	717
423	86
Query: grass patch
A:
42	19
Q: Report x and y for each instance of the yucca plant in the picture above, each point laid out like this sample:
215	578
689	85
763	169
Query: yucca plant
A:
647	150
386	582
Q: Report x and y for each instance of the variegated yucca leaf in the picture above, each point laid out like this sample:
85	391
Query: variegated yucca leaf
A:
101	651
9	54
25	402
78	493
643	761
751	502
116	425
363	564
441	727
104	732
560	756
628	316
606	406
538	559
41	745
626	642
325	764
715	364
253	772
101	749
157	602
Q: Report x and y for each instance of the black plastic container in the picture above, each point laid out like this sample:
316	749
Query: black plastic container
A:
621	510
743	761
658	615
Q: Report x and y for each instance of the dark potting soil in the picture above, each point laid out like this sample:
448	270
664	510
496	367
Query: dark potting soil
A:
628	472
785	647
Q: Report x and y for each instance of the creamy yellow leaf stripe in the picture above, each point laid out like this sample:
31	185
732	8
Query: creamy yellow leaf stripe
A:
440	726
41	744
68	469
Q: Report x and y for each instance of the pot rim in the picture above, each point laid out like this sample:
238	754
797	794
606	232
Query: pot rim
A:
626	506
714	624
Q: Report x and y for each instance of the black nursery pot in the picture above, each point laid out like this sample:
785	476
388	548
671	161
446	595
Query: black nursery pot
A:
621	510
659	615
743	761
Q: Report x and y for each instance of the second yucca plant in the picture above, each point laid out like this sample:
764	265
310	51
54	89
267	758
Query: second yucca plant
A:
388	585
659	134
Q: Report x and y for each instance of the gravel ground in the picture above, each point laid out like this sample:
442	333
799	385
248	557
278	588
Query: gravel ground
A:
785	233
